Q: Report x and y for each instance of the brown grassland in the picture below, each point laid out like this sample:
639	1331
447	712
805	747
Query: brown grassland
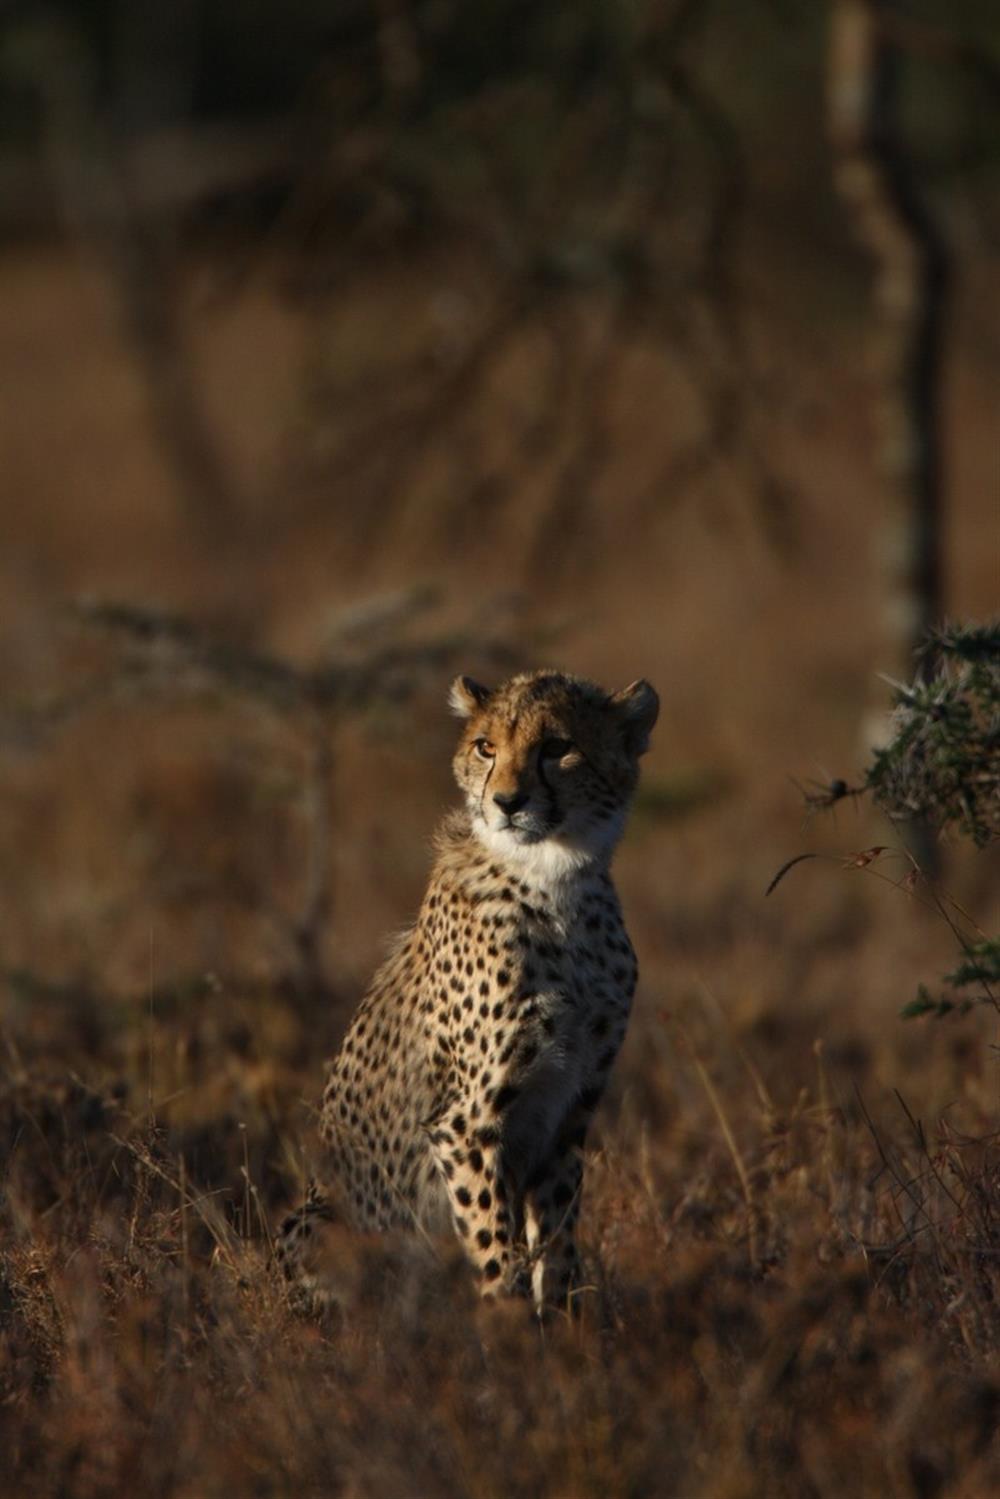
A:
792	1212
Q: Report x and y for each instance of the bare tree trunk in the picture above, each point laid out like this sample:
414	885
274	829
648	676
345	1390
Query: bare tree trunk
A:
873	175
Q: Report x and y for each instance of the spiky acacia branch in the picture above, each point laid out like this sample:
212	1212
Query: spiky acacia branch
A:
942	762
941	765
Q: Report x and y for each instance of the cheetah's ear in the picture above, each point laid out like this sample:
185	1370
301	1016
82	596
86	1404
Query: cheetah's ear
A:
466	697
637	708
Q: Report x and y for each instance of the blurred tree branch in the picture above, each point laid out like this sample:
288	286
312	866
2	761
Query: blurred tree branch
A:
542	146
103	207
563	236
370	664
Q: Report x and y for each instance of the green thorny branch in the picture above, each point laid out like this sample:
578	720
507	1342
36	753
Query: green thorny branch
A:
942	760
941	765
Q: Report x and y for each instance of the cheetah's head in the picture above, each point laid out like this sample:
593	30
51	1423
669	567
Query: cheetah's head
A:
549	762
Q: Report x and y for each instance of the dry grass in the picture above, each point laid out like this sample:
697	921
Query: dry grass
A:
784	1297
791	1212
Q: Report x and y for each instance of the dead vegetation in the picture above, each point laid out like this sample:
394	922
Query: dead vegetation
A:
785	1297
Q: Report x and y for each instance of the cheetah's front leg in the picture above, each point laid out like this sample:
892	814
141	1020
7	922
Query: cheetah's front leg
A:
482	1200
551	1210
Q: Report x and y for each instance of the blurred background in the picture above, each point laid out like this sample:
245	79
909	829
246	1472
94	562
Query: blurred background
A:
346	346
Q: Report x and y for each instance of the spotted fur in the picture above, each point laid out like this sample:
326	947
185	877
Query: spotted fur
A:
464	1088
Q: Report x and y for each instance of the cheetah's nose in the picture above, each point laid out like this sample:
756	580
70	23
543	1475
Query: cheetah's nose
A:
510	801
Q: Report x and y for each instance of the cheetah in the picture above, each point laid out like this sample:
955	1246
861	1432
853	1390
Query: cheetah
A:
463	1090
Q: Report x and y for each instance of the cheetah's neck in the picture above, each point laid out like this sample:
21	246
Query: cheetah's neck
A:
547	865
557	869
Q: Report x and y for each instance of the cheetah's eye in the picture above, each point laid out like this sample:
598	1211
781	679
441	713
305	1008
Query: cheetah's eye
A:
484	749
554	749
